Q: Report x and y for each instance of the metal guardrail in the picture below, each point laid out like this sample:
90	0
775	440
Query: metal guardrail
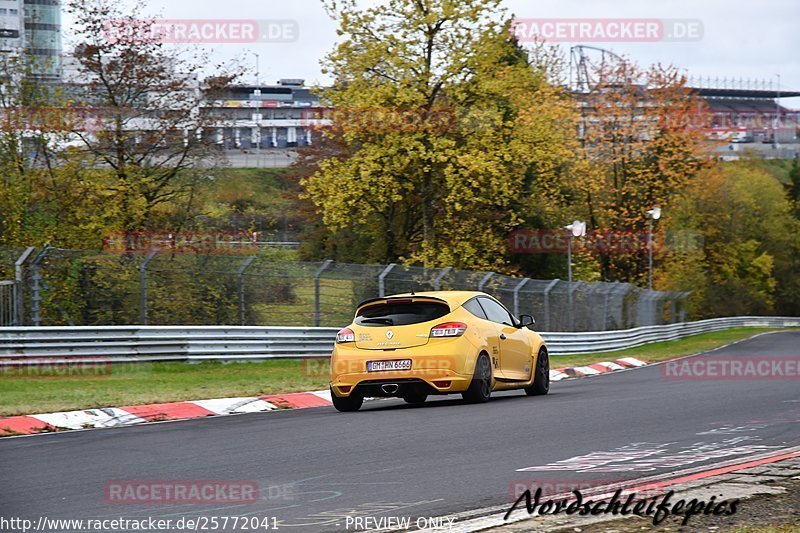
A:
125	344
588	342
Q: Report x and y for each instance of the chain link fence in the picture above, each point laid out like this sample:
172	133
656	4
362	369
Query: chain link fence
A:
90	288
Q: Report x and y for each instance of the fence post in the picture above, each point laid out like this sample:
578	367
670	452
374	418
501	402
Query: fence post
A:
684	297
572	286
382	280
592	303
438	280
319	272
673	308
143	287
547	303
608	291
19	311
643	310
36	286
516	295
240	275
485	280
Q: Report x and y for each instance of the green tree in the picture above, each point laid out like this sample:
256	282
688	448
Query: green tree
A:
47	195
443	118
749	238
793	186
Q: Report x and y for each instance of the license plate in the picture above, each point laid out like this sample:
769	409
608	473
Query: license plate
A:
388	366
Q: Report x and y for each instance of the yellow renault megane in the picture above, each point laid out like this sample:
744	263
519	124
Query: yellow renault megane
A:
413	345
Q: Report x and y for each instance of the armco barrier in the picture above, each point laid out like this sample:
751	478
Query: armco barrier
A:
234	343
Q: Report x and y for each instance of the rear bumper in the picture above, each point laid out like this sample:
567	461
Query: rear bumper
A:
401	384
446	360
393	388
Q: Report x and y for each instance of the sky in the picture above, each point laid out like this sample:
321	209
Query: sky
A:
756	39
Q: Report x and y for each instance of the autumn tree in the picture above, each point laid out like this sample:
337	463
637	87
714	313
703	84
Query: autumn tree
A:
47	195
642	142
443	118
746	240
149	96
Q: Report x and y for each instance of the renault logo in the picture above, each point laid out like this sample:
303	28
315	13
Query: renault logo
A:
390	334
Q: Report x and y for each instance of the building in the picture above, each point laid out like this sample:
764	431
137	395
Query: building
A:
12	25
42	19
251	117
34	25
750	115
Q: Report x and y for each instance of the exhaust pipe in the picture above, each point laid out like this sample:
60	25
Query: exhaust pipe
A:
390	388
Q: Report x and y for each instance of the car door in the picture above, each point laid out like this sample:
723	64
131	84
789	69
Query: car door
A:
515	348
489	330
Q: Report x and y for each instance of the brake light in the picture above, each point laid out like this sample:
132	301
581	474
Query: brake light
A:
345	335
449	329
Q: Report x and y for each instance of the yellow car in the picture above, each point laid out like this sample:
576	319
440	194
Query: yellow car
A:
413	345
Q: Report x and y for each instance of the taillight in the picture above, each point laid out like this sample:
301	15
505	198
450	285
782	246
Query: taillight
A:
346	335
449	329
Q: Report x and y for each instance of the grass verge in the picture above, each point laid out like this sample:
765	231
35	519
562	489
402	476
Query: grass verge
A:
134	384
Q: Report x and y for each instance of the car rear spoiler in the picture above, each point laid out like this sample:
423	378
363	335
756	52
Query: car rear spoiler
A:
395	299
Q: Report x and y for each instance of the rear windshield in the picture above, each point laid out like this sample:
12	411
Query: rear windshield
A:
400	314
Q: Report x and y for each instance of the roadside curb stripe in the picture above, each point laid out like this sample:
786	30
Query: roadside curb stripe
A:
228	406
25	425
168	411
631	362
298	400
324	394
90	418
157	412
581	371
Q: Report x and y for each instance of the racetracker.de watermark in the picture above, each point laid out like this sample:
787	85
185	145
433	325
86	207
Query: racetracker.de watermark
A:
44	367
607	30
49	119
181	492
383	119
609	242
315	367
181	242
201	31
744	368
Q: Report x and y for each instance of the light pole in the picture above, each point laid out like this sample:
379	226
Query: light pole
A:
653	214
777	121
257	90
576	229
258	68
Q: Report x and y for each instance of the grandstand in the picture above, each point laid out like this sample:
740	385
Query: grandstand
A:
749	114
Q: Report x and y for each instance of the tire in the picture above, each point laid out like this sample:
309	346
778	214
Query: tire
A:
541	381
348	404
415	398
480	390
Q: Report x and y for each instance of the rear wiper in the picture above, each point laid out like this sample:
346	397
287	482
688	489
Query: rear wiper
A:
387	321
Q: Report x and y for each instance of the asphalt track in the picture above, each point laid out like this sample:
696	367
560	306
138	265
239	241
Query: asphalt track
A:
317	466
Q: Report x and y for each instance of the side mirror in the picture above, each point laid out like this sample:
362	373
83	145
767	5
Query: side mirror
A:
526	320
